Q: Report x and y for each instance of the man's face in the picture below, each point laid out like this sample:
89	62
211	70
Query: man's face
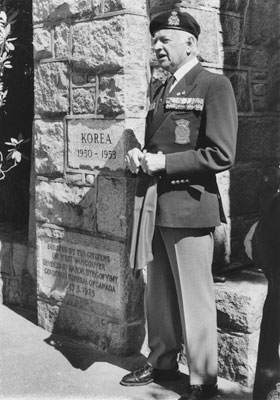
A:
170	48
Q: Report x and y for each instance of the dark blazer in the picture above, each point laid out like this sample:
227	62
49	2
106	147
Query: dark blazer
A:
196	129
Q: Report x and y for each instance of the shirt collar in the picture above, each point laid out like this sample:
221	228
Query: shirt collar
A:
183	70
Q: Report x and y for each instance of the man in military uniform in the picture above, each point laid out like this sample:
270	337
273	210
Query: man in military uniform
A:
190	136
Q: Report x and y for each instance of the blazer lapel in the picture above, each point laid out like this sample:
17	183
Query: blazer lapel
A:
186	86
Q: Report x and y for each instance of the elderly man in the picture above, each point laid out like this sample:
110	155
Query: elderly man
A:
190	136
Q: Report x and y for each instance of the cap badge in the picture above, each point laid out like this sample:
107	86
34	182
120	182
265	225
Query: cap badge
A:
174	19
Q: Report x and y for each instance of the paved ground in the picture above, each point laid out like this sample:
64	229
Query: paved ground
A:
36	365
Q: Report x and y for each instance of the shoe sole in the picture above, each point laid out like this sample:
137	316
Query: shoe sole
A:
136	384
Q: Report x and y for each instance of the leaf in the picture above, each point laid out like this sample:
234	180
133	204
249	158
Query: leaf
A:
8	66
4	56
17	156
13	16
10	46
3	16
2	31
9	156
8	29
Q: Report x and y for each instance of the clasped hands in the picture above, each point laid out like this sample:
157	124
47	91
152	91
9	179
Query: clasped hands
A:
149	162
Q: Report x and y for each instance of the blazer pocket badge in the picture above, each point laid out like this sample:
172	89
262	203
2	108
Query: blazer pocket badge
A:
182	131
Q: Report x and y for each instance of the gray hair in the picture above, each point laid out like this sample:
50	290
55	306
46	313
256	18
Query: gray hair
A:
185	36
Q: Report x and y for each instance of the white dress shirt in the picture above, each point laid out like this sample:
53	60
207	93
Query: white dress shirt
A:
183	70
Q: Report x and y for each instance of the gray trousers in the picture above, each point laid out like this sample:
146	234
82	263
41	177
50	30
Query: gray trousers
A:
180	302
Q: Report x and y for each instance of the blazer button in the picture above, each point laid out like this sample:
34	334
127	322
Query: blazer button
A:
173	182
178	181
183	181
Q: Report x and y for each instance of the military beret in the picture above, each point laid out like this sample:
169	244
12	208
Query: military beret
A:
175	19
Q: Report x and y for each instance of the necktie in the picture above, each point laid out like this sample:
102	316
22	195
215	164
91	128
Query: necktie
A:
168	83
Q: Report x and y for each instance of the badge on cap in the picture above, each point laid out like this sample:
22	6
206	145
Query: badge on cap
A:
173	20
182	131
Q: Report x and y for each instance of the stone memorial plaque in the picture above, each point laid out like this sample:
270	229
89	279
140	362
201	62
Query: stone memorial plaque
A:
95	143
84	272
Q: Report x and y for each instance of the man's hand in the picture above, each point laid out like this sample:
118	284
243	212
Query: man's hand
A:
152	163
133	160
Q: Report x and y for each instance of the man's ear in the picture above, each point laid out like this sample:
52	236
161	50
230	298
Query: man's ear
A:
190	44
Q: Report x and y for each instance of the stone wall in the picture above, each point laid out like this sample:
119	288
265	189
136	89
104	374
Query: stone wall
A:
90	105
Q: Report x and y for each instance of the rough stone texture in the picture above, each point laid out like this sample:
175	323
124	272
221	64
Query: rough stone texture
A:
61	40
19	260
123	94
237	357
260	105
12	290
58	9
259	89
5	257
246	182
79	79
258	76
49	158
42	43
51	88
240	300
240	83
83	101
258	29
231	57
231	30
111	100
41	10
255	58
255	138
236	6
223	180
136	94
136	44
14	255
99	45
239	304
156	5
120	192
100	317
209	47
64	205
116	5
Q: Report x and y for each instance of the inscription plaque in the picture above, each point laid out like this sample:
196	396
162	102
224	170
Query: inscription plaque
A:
95	143
84	272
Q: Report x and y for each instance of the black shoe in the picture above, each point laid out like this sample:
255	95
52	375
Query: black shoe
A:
148	374
201	392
